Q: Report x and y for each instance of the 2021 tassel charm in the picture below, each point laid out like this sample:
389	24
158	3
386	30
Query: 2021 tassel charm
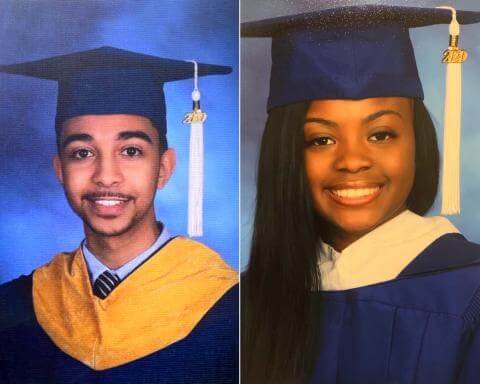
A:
453	57
195	179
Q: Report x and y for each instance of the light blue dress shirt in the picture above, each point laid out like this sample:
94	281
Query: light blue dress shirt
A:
96	268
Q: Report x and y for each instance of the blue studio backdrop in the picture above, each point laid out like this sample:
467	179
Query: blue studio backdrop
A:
36	221
428	44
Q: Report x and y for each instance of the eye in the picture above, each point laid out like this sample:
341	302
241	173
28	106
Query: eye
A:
320	141
382	136
132	151
81	153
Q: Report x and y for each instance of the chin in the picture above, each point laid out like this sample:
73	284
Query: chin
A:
109	227
357	223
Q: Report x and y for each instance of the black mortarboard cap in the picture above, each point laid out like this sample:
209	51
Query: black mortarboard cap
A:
109	80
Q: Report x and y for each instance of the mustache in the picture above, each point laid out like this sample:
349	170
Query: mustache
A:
99	195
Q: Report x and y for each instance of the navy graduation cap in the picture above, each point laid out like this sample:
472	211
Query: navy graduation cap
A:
364	51
109	80
352	52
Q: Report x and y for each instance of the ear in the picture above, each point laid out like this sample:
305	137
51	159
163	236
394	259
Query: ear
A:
167	166
57	166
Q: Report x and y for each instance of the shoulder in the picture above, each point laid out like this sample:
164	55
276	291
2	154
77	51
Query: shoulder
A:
16	297
189	245
448	252
192	251
227	306
223	315
16	305
60	263
445	277
220	325
203	270
198	261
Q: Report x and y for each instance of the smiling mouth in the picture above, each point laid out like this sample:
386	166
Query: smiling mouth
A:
352	193
108	204
355	196
107	198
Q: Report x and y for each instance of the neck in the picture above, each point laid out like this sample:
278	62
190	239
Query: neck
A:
116	251
339	239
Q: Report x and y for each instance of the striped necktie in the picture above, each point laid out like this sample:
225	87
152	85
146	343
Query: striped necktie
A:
105	284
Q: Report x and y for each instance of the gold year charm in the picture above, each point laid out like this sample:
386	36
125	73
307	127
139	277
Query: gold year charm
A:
454	55
196	116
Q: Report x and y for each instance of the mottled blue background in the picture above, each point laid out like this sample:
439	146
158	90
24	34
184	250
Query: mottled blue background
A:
36	221
428	42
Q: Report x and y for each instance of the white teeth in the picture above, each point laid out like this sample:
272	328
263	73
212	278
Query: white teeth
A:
108	203
354	192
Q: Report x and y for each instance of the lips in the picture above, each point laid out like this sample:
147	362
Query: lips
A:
352	193
107	205
355	194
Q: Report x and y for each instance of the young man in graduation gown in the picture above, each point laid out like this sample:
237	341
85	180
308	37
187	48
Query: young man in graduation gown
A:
131	303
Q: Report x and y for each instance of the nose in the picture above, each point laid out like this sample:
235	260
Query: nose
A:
353	157
107	171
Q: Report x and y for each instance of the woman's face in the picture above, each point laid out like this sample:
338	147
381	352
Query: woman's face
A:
360	162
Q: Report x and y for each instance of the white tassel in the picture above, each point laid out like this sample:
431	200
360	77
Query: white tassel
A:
195	181
451	141
195	171
453	57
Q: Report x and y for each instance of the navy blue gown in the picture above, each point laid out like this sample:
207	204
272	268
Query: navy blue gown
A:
421	327
209	354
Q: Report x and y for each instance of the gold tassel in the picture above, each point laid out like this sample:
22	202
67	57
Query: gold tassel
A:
453	57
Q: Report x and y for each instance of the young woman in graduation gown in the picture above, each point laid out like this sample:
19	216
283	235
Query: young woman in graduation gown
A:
347	281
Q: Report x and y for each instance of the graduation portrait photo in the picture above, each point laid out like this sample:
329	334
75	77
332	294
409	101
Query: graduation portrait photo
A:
119	168
359	212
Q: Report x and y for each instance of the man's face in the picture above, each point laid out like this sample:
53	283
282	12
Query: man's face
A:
110	167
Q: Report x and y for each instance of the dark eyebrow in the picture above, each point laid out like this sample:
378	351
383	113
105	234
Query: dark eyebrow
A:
319	120
125	135
381	113
76	137
368	119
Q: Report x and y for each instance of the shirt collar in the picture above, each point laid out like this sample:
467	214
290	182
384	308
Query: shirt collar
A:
96	268
381	254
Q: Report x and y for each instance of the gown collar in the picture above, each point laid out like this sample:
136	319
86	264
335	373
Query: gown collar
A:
96	267
158	304
382	254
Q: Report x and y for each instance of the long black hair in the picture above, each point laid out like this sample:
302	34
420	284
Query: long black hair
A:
278	339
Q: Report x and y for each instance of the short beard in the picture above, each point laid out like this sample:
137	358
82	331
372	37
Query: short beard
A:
112	233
